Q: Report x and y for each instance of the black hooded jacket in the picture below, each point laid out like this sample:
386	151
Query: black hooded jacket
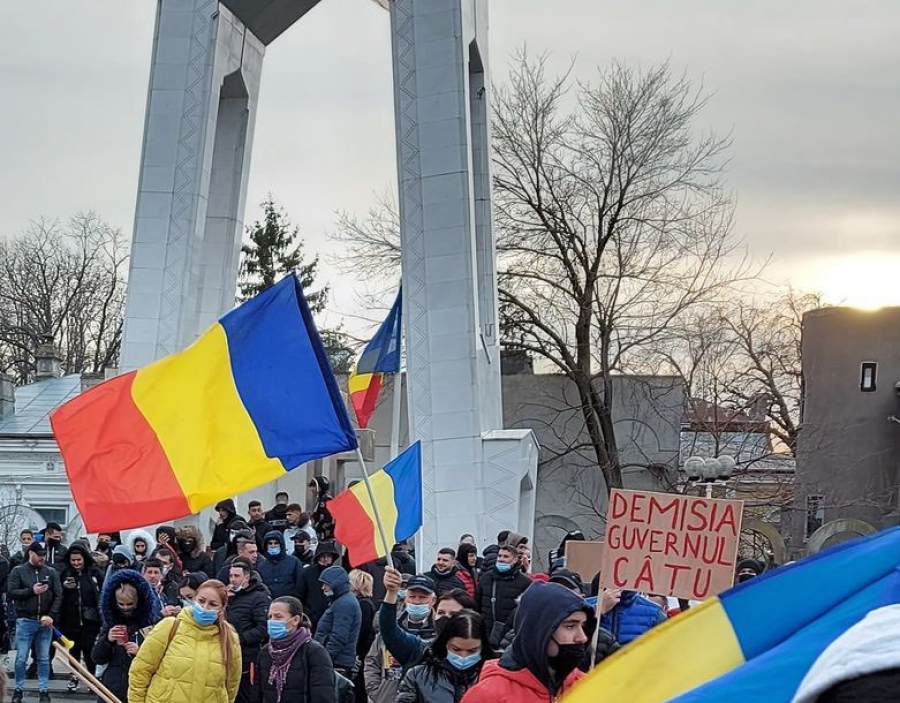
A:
542	609
496	596
314	601
321	516
281	572
81	602
220	534
113	655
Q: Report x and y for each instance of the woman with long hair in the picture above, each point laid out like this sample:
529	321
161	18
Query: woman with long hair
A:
361	585
452	663
293	667
192	658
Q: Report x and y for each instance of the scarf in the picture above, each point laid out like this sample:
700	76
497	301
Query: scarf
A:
283	652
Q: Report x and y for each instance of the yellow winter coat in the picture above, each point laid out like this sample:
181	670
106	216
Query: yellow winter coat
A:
190	670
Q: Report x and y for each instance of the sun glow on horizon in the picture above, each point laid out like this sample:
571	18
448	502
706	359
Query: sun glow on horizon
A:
868	280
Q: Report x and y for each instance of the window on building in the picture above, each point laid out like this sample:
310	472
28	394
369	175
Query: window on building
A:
815	514
59	515
867	376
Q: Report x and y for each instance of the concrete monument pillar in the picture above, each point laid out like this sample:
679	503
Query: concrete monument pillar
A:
198	133
478	477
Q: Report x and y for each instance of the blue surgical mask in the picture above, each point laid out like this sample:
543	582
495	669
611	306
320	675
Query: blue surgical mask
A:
418	612
463	663
202	616
185	603
274	551
277	629
401	595
503	568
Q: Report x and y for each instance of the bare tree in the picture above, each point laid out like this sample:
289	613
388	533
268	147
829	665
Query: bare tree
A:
614	226
66	285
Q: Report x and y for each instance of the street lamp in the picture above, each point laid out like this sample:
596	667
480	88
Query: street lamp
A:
709	471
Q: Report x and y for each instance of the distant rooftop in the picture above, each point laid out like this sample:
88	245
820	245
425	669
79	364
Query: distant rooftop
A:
34	404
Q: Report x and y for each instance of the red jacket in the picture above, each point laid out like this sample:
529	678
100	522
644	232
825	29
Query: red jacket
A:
468	581
499	685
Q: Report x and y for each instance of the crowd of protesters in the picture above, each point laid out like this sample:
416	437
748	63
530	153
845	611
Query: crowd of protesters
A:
271	612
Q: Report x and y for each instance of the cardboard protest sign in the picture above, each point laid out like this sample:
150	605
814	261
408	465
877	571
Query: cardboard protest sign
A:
584	558
670	544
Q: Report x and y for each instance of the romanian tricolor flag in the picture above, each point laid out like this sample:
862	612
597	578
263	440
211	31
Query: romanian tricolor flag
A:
251	399
381	356
398	492
757	641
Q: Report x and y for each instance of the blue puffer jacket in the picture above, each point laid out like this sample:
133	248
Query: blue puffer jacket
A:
339	627
632	617
280	572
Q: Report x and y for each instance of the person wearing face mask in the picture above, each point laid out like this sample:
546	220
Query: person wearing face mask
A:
129	609
56	552
382	672
314	601
227	515
189	543
541	665
408	647
748	569
192	658
103	551
248	605
451	664
189	586
293	667
281	572
338	630
498	590
141	544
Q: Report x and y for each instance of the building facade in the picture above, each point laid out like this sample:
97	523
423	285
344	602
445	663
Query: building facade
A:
848	454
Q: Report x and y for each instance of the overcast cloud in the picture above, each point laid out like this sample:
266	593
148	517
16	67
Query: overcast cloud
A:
810	89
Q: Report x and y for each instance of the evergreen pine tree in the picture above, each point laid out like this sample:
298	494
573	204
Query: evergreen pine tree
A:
275	249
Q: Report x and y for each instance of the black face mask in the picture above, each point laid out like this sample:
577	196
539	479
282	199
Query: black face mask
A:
568	659
102	546
186	545
52	541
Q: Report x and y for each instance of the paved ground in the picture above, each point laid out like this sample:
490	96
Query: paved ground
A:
58	684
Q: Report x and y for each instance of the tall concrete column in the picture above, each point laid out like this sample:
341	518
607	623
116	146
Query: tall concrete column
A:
198	134
478	477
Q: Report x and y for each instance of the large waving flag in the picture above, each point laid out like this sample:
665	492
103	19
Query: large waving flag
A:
381	356
757	641
398	492
251	399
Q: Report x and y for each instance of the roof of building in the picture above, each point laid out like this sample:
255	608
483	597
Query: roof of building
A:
702	415
34	404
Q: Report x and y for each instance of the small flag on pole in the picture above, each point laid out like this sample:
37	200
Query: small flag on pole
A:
251	399
398	492
381	356
757	641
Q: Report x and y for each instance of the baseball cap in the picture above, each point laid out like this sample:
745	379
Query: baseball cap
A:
38	548
420	583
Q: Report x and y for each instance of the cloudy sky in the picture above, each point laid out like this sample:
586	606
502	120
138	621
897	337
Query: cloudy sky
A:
810	89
